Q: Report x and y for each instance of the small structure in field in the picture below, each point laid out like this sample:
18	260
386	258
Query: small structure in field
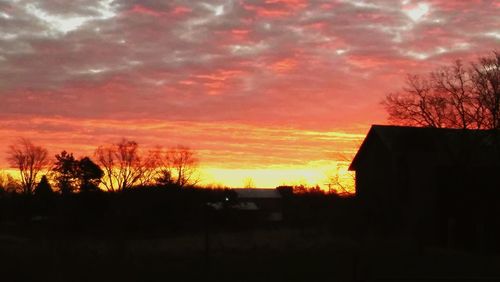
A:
253	204
267	203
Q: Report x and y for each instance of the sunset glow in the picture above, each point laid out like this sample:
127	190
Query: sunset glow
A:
280	91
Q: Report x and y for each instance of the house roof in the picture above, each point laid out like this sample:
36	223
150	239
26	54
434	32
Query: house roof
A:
480	146
257	193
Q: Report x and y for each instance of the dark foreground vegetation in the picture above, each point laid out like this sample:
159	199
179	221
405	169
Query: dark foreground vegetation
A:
161	234
157	233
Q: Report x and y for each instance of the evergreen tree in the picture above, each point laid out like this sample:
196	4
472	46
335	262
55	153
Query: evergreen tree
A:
43	188
89	174
66	172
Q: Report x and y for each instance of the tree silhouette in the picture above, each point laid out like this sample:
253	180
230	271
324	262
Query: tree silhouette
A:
29	160
455	96
65	172
124	166
341	181
89	175
164	178
150	167
71	174
180	167
43	188
248	182
485	75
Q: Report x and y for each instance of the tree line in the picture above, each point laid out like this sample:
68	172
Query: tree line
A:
114	167
460	95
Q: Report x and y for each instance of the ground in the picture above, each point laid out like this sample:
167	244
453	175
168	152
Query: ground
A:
265	254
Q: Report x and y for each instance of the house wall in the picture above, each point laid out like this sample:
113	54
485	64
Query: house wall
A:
372	188
422	205
469	201
430	188
397	192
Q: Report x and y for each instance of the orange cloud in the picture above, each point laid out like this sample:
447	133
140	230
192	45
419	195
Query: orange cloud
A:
220	146
284	65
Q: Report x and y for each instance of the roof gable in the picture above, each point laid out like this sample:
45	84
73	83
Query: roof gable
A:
371	138
448	145
253	193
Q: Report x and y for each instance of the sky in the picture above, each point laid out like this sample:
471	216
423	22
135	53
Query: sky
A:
280	91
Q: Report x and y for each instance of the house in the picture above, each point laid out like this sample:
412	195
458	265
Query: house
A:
441	186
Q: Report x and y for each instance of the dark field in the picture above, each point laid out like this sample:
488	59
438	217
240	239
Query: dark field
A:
156	235
279	254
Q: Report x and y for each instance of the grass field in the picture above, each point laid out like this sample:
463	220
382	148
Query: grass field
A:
272	254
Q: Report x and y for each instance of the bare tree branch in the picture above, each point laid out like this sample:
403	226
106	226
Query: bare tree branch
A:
30	160
121	163
181	166
454	96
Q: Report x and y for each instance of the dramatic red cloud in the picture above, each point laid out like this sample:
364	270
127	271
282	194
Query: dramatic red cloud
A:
181	10
146	11
250	84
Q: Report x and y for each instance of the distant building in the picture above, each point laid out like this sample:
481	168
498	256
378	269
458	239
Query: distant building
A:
267	202
255	204
440	185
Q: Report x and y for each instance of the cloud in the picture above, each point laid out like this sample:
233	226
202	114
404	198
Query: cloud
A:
226	145
304	64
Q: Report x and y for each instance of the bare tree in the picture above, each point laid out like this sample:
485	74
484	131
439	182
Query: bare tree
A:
455	96
455	84
248	182
417	104
486	80
180	166
8	183
341	181
121	164
124	166
105	156
150	167
30	160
